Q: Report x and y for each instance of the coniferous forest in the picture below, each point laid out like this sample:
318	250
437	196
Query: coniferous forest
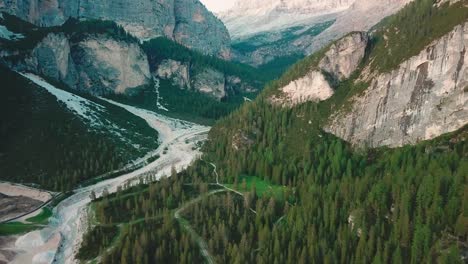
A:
273	187
270	184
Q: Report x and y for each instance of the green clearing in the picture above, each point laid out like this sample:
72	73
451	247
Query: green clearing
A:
41	218
263	188
35	222
16	228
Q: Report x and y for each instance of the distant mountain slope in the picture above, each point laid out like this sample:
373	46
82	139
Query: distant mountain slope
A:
393	110
247	18
185	21
286	28
57	140
100	58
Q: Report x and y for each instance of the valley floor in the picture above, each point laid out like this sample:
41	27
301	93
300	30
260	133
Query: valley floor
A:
59	241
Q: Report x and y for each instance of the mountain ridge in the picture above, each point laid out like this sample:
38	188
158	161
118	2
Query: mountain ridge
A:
184	21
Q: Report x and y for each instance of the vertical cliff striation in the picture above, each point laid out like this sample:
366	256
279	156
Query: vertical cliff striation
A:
185	21
425	97
97	64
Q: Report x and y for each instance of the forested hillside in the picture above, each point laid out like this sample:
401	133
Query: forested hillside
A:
385	206
273	187
184	102
45	143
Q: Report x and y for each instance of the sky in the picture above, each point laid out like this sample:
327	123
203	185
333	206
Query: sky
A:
218	5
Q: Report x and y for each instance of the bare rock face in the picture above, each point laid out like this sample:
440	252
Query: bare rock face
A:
210	82
344	56
185	21
422	99
113	65
312	87
362	15
177	71
98	64
340	60
197	28
52	58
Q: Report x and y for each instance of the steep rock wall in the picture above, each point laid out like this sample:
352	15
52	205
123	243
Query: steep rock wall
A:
339	61
185	21
208	81
422	99
98	64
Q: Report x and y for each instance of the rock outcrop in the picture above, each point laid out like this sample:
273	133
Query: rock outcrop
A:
362	15
312	87
344	56
208	81
425	97
185	21
176	71
98	64
339	61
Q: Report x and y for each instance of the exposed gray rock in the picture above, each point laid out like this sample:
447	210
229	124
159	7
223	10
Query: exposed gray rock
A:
422	99
208	81
313	87
340	60
97	64
344	56
186	21
362	15
176	71
199	29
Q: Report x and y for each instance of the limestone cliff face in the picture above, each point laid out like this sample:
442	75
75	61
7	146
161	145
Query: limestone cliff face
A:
98	64
185	21
344	56
340	60
176	71
425	97
208	81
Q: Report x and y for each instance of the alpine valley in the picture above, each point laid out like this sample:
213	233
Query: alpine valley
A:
275	131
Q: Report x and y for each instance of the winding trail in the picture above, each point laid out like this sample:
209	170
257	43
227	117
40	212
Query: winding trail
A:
60	240
186	225
227	188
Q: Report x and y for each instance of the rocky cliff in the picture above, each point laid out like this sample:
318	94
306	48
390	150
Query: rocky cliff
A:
97	64
185	21
338	62
208	80
425	97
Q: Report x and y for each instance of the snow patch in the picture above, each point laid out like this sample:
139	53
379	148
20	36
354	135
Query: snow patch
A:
8	35
158	101
82	107
61	239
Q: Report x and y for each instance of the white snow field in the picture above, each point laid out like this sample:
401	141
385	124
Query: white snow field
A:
60	240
